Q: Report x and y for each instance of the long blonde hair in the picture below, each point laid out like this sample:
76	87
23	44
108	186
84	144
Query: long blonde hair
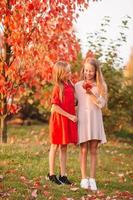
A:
101	84
59	71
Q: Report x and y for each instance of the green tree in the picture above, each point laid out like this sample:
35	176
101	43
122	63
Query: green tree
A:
120	95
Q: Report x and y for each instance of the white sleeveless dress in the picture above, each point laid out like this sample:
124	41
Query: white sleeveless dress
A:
90	121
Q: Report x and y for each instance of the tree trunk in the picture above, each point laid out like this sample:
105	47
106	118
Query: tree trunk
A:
3	130
3	118
3	98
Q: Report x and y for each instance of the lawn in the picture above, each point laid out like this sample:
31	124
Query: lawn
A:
24	167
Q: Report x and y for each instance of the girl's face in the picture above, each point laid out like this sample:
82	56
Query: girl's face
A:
89	72
67	73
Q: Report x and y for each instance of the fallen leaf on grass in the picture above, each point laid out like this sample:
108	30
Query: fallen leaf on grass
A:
46	178
4	163
41	135
65	198
116	159
45	186
37	153
112	173
1	178
46	193
90	197
50	198
4	194
37	184
121	175
12	190
34	132
108	198
125	194
11	171
12	140
7	193
121	178
100	194
83	198
26	181
1	187
74	189
23	178
34	193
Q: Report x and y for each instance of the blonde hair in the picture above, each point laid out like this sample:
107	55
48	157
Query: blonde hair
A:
101	84
59	72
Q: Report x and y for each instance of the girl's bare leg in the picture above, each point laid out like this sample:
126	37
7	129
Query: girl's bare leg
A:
63	159
83	159
93	157
52	156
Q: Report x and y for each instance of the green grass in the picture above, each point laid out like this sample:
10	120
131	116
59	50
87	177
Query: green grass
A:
24	166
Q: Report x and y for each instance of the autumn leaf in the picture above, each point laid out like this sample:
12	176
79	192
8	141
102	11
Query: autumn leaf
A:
37	184
34	193
74	189
11	171
1	178
46	193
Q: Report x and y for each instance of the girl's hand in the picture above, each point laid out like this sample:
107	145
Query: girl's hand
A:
73	118
88	91
59	110
52	109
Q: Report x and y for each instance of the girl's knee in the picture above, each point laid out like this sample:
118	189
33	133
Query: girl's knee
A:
93	151
54	146
63	147
84	150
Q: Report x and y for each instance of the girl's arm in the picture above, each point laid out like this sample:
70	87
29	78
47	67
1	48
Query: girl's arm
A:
99	100
58	109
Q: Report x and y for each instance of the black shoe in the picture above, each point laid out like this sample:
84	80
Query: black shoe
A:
54	179
64	180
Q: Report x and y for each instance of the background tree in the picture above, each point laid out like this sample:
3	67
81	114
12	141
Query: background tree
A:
128	74
34	34
119	112
128	71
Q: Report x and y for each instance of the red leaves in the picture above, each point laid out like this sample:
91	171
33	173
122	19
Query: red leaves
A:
87	86
12	2
38	36
90	54
37	184
30	7
34	193
13	108
102	196
1	178
124	195
46	193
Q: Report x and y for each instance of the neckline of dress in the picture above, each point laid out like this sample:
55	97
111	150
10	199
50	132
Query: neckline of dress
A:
67	84
94	83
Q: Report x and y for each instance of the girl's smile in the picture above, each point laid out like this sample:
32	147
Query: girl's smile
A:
89	72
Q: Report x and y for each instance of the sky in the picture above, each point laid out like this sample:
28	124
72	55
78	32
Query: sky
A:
89	21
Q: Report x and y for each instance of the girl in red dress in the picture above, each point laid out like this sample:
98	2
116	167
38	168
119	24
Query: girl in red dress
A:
63	126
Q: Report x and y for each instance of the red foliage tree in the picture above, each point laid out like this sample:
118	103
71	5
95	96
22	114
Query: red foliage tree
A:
33	35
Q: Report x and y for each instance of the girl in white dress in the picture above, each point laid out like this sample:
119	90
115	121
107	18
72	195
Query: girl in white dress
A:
91	94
